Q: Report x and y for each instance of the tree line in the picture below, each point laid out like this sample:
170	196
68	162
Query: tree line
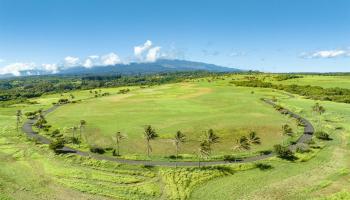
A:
19	90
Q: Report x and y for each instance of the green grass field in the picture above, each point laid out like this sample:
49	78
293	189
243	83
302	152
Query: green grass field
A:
192	108
32	171
317	80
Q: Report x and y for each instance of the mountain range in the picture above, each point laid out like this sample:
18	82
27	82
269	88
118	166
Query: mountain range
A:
162	65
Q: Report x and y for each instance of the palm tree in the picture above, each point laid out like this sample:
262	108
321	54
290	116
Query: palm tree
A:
18	117
203	150
253	138
150	134
211	138
179	138
82	125
119	137
241	144
74	130
318	109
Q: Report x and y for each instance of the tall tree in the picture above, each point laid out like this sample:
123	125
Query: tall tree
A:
82	125
150	134
118	137
318	109
203	150
178	139
74	138
18	118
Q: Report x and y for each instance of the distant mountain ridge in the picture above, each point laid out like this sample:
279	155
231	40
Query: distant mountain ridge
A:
162	65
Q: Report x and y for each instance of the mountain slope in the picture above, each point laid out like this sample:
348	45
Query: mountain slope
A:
162	65
145	68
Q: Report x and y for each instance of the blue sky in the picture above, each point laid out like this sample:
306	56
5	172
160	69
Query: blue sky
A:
267	35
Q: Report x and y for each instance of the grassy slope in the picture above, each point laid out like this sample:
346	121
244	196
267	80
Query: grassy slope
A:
316	80
190	107
327	173
30	171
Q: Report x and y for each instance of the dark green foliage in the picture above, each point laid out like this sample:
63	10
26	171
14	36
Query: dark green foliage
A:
263	166
124	91
284	152
57	145
265	152
18	90
98	150
63	101
56	133
287	130
230	158
284	77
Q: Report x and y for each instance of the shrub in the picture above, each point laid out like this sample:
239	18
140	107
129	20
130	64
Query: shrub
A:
263	166
322	135
63	101
230	158
284	152
98	150
265	152
287	129
56	145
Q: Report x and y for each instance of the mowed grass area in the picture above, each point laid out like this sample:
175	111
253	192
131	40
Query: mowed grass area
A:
191	107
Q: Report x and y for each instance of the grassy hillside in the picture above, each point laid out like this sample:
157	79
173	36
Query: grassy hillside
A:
32	171
192	107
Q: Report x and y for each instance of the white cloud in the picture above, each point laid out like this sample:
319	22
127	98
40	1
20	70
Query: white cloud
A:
71	61
139	50
2	60
147	52
16	68
153	54
110	59
53	68
326	54
88	63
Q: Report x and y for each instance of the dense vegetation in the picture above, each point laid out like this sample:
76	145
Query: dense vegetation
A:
18	90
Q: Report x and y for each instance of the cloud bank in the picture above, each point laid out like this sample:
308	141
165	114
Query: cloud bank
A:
146	52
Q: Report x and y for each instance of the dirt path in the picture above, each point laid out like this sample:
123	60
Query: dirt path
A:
28	129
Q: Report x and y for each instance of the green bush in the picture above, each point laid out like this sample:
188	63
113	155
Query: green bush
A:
98	150
56	145
284	152
322	135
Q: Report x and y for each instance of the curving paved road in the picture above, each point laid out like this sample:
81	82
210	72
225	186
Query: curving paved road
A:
28	129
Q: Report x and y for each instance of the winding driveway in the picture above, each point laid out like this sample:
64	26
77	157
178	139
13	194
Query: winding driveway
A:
305	137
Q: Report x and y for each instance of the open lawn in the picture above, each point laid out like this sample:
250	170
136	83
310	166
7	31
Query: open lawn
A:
191	107
317	80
